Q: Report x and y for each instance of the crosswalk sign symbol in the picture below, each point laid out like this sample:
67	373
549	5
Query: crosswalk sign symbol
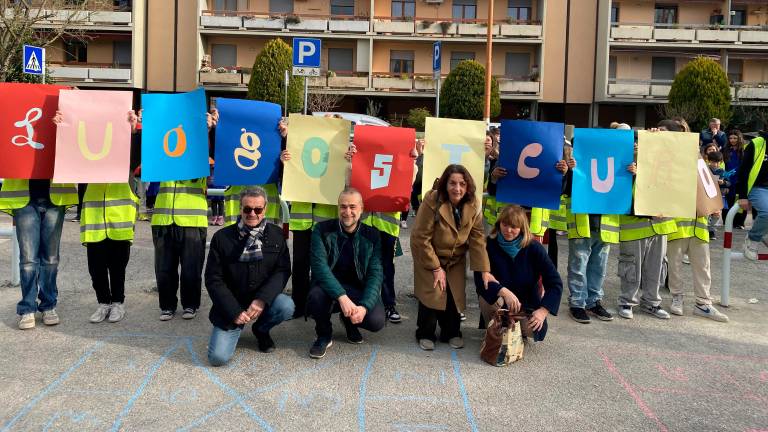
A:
34	60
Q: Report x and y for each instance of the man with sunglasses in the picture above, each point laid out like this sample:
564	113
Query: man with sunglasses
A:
247	270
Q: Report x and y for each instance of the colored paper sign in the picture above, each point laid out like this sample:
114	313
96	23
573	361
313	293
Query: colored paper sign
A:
247	142
317	169
93	140
382	169
709	199
529	150
666	174
174	142
451	141
27	134
601	182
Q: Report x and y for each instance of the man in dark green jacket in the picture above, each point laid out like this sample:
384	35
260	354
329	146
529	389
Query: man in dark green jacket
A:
346	275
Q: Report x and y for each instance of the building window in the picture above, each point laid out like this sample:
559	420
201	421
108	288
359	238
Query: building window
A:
75	52
343	7
614	13
401	62
739	17
403	8
464	9
122	5
225	5
223	55
735	68
612	67
280	6
340	59
663	68
519	10
665	14
517	66
121	54
458	57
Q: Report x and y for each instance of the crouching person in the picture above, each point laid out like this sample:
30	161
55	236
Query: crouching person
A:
346	275
247	270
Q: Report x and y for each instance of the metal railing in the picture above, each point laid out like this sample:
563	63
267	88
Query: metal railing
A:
729	255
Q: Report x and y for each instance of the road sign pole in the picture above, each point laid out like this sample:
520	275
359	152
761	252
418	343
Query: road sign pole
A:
43	65
437	96
306	87
287	83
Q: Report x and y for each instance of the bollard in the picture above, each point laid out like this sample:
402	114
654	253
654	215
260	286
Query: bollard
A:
728	255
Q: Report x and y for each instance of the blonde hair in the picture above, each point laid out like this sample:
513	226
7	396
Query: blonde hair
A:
514	216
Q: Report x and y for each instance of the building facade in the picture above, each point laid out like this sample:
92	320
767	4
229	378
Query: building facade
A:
585	62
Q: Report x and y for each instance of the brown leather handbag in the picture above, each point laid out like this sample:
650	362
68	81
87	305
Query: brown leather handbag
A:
503	341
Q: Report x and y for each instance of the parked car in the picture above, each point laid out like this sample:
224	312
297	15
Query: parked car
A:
356	119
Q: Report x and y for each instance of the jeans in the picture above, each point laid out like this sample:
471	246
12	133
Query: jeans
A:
222	344
174	246
587	260
38	227
758	197
320	306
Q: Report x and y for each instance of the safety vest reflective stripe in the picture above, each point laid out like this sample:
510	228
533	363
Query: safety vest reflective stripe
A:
109	211
539	221
181	189
14	194
635	228
181	203
301	216
558	218
324	212
759	144
388	223
687	228
298	215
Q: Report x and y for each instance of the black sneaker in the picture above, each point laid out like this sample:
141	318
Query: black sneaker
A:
265	342
580	315
599	311
320	346
393	316
353	333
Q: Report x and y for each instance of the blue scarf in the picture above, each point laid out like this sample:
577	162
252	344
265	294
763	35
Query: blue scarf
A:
510	247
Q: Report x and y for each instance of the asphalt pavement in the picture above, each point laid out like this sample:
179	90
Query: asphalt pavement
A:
645	374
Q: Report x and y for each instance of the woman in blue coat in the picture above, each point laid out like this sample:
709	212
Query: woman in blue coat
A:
518	262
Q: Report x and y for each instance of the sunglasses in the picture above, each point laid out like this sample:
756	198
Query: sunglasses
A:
254	210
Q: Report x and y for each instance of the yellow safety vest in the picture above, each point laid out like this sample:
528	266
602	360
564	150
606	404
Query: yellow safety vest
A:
301	216
15	194
324	212
759	144
388	223
539	221
232	203
558	218
181	203
636	228
689	227
109	211
489	209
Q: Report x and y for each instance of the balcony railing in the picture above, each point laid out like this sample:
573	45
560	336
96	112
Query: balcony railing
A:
691	33
80	17
426	83
224	76
361	24
90	72
656	89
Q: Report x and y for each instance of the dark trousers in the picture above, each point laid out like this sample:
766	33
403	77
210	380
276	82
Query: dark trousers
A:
449	320
302	242
174	246
107	260
552	245
81	187
320	306
388	262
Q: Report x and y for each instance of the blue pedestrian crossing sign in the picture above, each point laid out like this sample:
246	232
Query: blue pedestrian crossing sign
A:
34	60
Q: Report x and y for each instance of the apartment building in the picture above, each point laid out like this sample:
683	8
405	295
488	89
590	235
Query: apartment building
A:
585	62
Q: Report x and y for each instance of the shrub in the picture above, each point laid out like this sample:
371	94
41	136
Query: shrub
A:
417	117
702	90
268	75
463	93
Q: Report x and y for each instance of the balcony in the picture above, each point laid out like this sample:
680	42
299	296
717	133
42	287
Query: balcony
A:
232	77
646	89
688	33
752	91
340	80
518	86
351	24
91	72
402	82
81	17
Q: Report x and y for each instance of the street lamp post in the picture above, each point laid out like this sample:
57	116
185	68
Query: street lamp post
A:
488	63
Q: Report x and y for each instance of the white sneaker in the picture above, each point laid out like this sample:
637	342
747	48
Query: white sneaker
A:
686	260
50	317
403	224
677	304
117	312
26	321
101	313
750	249
656	311
709	311
626	312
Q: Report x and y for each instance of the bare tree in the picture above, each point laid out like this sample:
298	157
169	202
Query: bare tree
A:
685	111
41	23
323	102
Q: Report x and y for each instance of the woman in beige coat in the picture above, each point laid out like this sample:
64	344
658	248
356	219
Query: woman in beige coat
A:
449	223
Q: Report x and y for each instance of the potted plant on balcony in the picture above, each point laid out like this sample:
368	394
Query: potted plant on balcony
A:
292	19
424	24
330	74
445	26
